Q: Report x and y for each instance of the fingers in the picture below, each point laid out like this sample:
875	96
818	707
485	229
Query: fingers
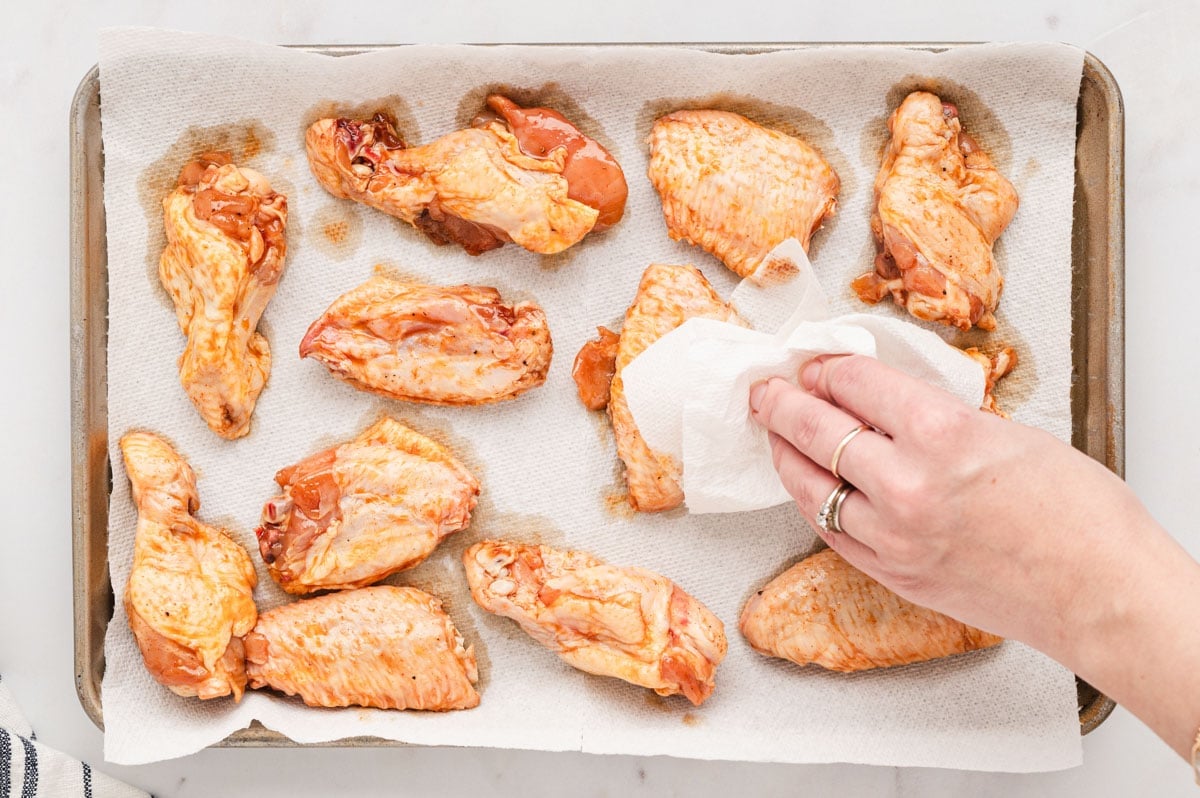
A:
815	428
810	485
883	397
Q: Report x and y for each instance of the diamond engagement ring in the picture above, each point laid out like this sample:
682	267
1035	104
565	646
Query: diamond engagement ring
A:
827	516
841	447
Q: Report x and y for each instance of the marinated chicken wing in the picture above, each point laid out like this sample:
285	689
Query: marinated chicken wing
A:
624	622
735	188
825	612
457	345
994	367
190	593
666	298
224	257
940	205
525	175
386	647
355	513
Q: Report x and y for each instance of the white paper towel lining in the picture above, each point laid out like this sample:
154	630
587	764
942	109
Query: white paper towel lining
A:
548	467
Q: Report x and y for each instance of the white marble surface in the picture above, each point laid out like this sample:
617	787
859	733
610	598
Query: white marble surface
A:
46	47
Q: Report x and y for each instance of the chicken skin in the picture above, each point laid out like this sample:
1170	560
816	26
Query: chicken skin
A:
628	623
525	175
994	368
190	593
386	647
353	514
666	298
737	189
823	611
940	205
223	260
459	345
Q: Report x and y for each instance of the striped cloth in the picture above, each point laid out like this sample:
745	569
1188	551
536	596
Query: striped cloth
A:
29	769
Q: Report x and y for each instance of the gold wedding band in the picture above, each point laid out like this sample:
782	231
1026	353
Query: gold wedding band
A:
841	447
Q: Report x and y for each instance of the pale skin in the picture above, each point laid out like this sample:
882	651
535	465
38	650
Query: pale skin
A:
999	525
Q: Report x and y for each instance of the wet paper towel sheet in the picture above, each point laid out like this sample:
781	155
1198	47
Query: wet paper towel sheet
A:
548	467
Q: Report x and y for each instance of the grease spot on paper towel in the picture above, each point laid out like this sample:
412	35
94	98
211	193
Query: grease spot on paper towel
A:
786	119
244	141
339	228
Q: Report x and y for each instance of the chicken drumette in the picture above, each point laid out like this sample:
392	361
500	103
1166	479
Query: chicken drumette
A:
353	514
454	345
624	622
223	260
190	592
735	188
825	612
666	298
525	175
940	205
386	647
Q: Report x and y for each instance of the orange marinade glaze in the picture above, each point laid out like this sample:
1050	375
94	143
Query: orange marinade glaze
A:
592	174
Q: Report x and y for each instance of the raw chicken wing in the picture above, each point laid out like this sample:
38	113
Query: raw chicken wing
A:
940	205
457	345
825	612
624	622
666	298
386	647
190	593
353	514
525	175
735	188
224	257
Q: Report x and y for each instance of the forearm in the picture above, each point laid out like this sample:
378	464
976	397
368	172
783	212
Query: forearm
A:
1134	632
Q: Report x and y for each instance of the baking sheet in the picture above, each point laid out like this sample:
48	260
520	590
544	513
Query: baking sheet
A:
1097	262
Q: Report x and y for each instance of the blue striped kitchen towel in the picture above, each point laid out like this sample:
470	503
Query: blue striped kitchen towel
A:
29	769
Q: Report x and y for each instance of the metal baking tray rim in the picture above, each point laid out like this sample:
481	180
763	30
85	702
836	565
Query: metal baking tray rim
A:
1099	428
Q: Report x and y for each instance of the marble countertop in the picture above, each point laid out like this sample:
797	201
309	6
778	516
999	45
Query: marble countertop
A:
48	46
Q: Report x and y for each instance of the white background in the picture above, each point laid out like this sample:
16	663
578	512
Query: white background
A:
46	47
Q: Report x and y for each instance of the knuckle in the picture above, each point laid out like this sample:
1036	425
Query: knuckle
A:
804	429
908	493
846	376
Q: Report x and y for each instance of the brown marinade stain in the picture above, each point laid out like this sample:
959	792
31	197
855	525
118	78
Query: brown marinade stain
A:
339	226
786	119
691	719
244	141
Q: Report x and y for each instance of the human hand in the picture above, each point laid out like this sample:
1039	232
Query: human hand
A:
994	523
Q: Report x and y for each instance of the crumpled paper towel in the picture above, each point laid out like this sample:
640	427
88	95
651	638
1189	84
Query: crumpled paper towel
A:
548	468
688	390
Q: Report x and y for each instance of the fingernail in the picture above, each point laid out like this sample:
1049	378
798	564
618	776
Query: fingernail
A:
757	391
809	375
